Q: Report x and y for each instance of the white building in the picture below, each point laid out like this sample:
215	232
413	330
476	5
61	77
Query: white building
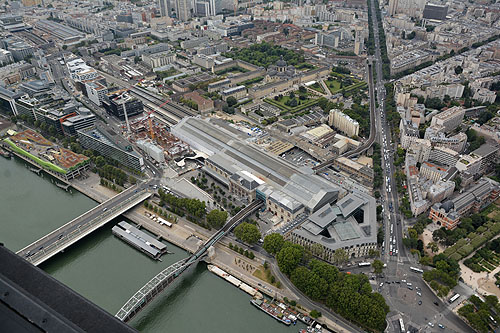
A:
157	60
96	92
152	150
80	71
343	123
449	119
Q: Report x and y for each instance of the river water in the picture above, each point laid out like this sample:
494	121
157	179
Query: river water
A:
107	271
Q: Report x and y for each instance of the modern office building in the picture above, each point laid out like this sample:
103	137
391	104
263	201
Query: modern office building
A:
83	119
34	301
183	10
96	91
98	139
116	103
435	12
393	5
8	101
350	224
165	8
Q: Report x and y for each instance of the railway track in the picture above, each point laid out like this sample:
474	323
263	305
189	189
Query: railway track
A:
170	106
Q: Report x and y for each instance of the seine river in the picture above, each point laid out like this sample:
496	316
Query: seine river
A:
108	271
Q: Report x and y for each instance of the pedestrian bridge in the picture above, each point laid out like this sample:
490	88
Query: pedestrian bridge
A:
163	279
68	234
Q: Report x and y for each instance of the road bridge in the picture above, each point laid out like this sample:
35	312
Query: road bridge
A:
68	234
162	280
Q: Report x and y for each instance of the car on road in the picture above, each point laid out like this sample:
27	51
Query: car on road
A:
441	326
419	293
105	209
436	303
419	302
430	324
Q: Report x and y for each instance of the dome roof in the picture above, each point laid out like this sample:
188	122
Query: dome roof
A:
448	205
281	63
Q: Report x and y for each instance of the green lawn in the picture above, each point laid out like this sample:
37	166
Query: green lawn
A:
318	87
308	102
333	85
38	160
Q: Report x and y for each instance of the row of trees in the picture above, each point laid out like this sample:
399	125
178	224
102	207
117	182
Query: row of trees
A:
193	207
391	111
386	63
116	175
378	173
242	251
266	54
478	313
444	276
350	295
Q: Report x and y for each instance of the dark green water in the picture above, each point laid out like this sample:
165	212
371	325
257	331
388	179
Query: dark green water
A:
108	271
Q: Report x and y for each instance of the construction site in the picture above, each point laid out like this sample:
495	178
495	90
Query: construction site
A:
153	137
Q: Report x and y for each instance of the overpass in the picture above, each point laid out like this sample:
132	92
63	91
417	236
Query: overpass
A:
68	234
162	280
368	143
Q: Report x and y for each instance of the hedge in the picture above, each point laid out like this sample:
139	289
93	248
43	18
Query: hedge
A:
38	160
464	251
478	241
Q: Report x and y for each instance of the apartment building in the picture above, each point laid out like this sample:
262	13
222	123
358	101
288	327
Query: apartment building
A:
449	119
343	123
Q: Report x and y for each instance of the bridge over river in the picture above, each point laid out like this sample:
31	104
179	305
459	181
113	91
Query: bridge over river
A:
163	279
68	234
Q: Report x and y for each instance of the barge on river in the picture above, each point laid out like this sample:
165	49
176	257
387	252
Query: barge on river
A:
139	239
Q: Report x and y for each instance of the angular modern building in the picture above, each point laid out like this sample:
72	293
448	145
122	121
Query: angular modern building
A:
350	224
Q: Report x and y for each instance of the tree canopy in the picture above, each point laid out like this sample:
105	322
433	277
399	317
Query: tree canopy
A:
216	218
273	243
247	232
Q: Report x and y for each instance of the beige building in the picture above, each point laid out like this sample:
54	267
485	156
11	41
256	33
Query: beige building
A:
343	123
160	59
360	172
449	119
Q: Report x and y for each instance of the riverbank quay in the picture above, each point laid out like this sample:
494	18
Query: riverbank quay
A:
189	236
